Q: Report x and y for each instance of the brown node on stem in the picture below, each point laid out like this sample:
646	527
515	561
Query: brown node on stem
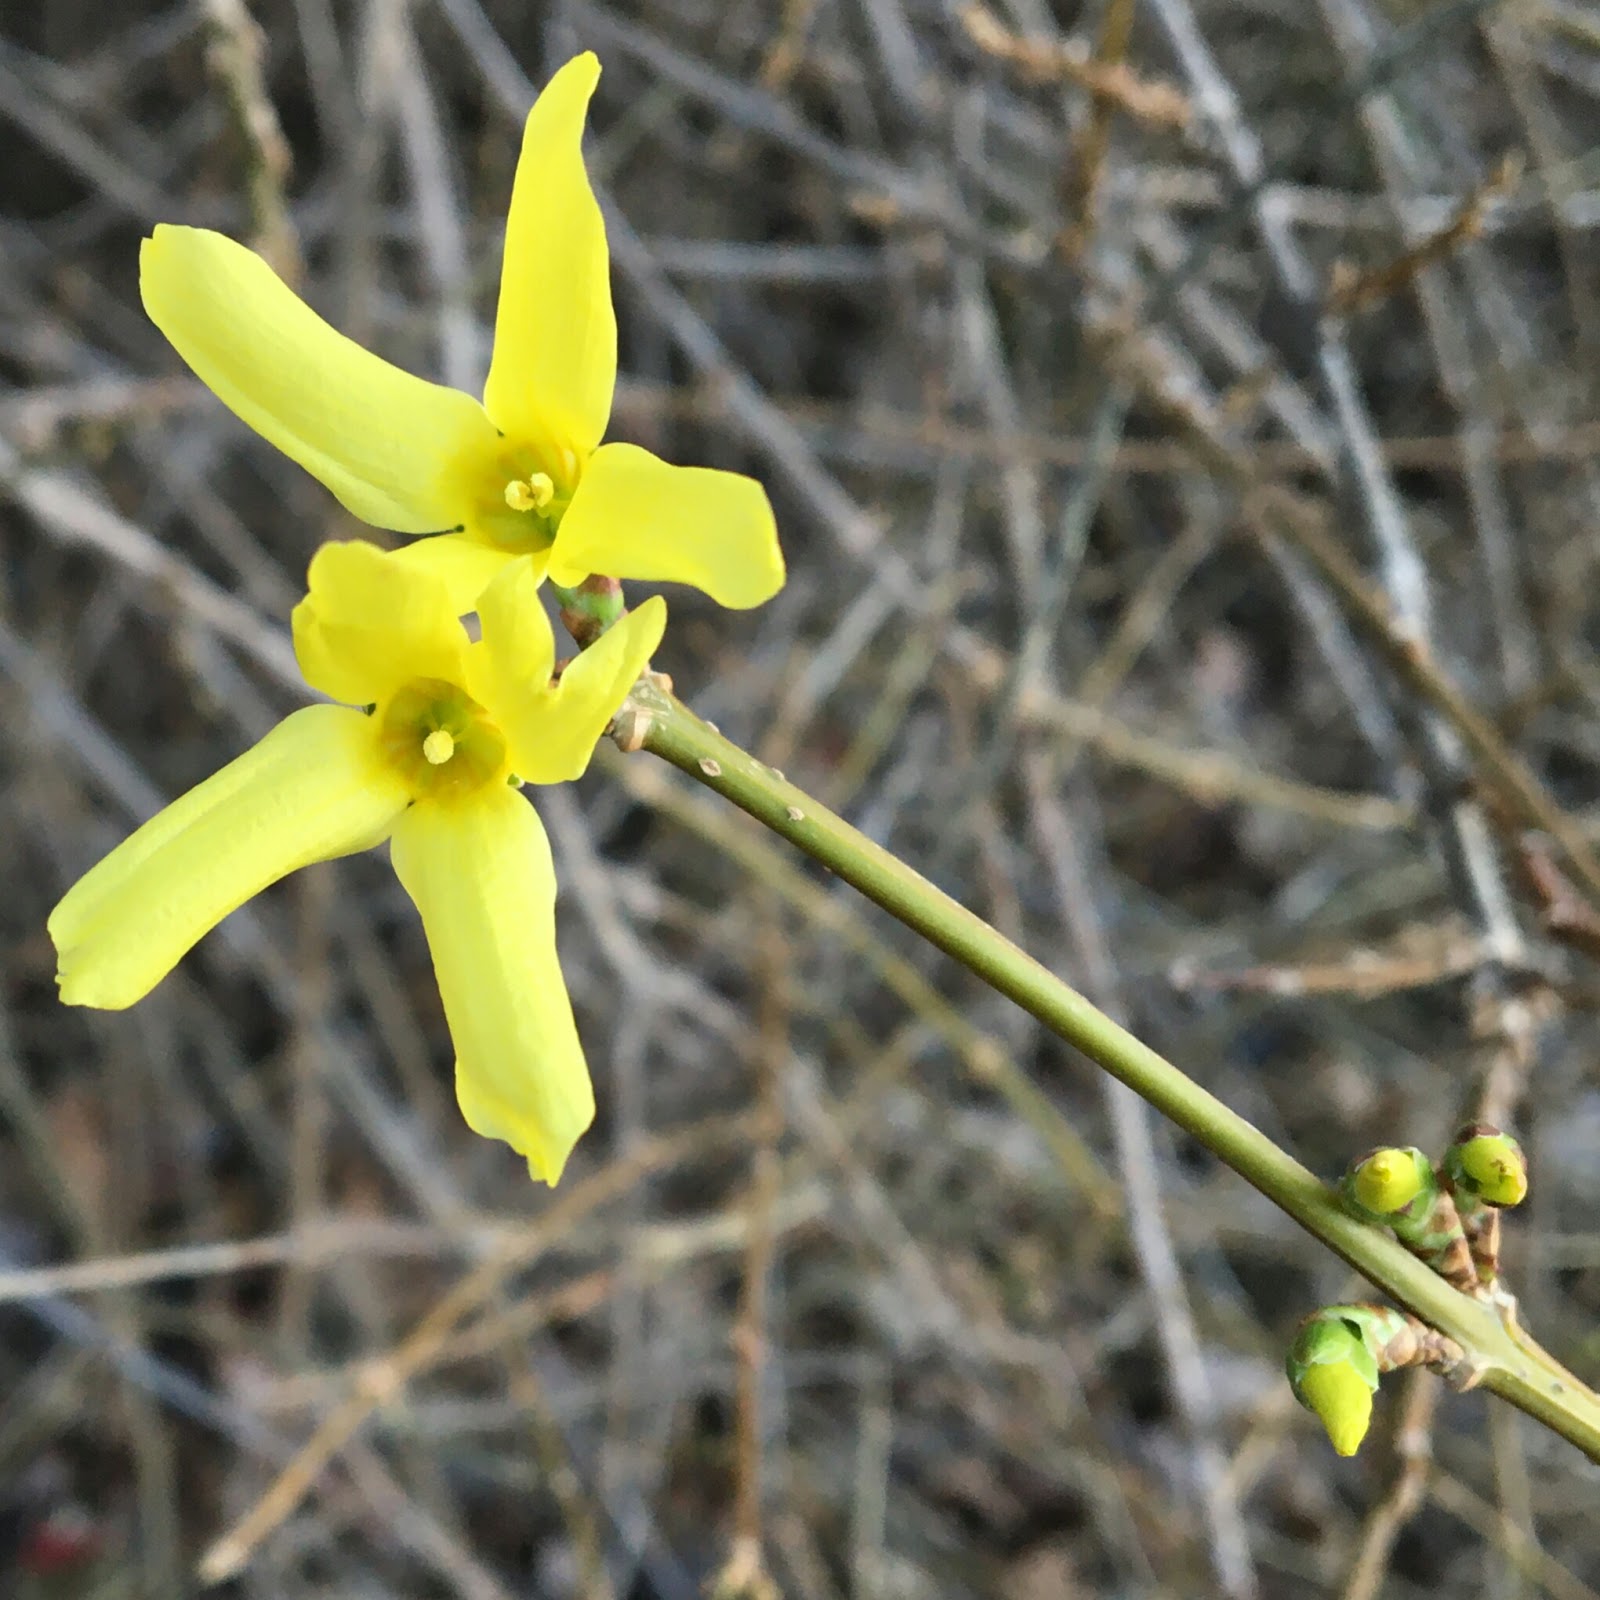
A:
1353	290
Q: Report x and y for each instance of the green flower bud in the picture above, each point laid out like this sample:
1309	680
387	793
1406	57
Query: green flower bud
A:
1488	1165
1334	1374
1400	1189
1387	1181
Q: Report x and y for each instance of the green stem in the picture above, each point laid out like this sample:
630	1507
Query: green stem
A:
1511	1364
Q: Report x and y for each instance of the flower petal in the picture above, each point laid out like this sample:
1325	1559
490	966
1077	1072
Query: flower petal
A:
516	656
373	621
312	789
634	516
481	875
394	449
555	333
553	735
465	565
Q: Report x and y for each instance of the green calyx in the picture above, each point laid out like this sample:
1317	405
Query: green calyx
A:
1329	1337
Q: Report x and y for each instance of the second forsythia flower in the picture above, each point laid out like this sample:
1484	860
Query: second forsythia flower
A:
523	473
453	725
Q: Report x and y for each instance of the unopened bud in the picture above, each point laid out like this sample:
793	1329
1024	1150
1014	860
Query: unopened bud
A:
1488	1165
1387	1181
1334	1375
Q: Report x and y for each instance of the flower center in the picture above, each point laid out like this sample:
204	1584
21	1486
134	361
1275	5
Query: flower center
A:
532	493
521	492
441	740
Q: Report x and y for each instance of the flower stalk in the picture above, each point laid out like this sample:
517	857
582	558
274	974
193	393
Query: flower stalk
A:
1502	1356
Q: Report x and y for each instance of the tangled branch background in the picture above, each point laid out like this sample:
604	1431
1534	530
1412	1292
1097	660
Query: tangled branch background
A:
1023	316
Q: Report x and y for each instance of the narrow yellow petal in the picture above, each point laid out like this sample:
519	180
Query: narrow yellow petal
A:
314	788
517	653
465	565
552	732
634	516
390	446
481	875
555	334
373	621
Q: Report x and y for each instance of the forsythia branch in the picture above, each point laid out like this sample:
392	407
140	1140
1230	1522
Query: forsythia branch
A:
1502	1356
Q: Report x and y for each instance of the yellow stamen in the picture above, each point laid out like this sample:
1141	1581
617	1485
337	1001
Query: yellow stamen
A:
532	494
439	746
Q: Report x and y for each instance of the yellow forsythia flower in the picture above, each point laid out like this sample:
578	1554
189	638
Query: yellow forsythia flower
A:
430	769
522	473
